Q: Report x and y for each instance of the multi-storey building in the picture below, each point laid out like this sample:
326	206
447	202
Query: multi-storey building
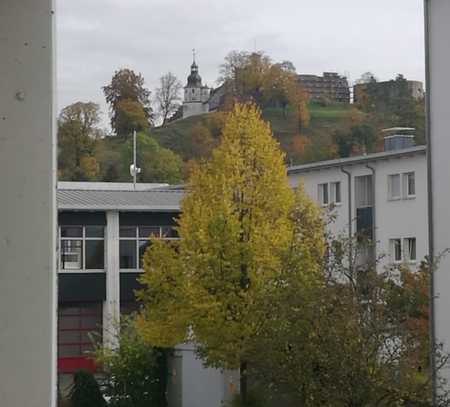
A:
389	89
382	196
330	86
103	231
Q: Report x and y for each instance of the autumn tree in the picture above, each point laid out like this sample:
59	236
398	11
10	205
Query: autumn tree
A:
245	236
168	96
129	102
78	132
254	77
358	337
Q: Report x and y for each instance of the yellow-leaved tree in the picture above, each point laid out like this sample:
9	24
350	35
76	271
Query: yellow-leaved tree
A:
245	237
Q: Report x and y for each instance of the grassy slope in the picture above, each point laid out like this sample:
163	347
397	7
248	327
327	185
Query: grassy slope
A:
324	121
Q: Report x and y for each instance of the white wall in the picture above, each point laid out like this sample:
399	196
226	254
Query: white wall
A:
439	89
394	219
27	204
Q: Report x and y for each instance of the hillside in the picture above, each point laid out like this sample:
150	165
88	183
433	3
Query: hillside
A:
184	136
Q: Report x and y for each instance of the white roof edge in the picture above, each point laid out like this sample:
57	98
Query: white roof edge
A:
340	162
132	208
108	186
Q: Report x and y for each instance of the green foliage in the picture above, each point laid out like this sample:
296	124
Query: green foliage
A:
135	373
158	164
129	102
77	138
356	338
360	139
85	391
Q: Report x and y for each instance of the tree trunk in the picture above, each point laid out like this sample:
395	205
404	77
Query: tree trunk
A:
243	384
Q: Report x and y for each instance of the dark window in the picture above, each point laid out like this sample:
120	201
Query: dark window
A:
95	254
127	231
143	244
71	231
95	231
149	231
127	254
75	324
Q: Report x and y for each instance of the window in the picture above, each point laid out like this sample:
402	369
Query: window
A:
134	241
82	248
394	186
409	185
403	250
335	191
409	245
323	194
396	250
75	324
401	186
363	191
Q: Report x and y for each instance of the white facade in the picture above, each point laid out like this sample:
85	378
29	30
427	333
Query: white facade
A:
438	88
397	215
27	204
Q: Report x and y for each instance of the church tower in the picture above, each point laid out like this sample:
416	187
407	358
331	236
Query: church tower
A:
196	96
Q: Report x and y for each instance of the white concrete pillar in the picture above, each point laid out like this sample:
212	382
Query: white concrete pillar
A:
111	309
438	91
27	205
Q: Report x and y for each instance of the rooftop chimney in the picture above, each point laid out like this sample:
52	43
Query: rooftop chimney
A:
398	138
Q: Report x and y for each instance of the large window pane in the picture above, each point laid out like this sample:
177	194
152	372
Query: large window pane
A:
71	231
95	254
149	231
95	231
143	244
394	186
127	231
169	232
71	254
127	254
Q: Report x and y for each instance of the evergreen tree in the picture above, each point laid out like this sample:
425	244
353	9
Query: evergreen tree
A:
85	391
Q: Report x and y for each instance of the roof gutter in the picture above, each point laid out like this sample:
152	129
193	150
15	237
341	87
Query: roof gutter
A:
350	226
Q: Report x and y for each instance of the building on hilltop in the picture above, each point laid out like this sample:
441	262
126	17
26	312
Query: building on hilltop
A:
330	86
389	89
196	95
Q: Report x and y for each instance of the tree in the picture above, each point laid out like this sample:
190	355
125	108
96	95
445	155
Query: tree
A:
244	236
358	337
85	391
134	374
360	139
129	102
77	138
158	164
254	77
168	96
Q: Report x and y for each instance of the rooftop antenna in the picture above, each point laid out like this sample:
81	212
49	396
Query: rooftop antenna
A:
134	169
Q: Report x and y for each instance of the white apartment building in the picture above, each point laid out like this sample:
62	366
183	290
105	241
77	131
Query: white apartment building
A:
382	196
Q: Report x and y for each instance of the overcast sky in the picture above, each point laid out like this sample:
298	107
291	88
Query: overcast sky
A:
96	37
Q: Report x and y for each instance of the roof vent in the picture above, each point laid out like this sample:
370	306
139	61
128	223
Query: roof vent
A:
398	138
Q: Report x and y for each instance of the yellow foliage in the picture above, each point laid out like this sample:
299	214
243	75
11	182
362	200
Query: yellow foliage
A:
244	234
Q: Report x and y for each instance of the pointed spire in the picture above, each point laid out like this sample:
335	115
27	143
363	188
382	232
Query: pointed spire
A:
193	55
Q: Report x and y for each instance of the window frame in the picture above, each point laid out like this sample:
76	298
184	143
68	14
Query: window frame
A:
406	178
392	197
138	239
333	196
406	249
392	250
83	239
